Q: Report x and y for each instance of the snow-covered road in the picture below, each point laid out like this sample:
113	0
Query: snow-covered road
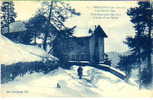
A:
62	82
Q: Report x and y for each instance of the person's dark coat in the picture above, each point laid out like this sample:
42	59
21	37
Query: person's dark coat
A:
80	70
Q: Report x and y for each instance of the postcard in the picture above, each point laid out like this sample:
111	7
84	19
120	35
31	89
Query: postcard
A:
76	48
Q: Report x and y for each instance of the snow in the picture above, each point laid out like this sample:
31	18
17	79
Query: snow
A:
117	70
17	26
61	82
11	52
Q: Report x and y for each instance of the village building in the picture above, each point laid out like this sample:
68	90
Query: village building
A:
89	48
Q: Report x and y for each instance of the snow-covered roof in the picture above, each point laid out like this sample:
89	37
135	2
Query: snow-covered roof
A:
17	26
88	31
99	31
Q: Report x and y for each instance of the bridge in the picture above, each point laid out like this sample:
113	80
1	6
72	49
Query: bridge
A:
103	67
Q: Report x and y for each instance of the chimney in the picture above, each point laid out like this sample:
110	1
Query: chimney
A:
95	26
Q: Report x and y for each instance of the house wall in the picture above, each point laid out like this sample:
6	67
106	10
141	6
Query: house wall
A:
81	49
96	52
91	48
101	49
77	49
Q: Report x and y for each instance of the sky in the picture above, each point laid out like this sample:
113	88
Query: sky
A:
117	29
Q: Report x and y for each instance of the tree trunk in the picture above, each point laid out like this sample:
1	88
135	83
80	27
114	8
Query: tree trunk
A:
35	42
1	29
46	34
45	42
8	30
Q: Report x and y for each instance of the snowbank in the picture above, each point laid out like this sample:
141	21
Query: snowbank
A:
11	52
62	82
117	70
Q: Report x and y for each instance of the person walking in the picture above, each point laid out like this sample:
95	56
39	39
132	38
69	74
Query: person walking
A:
80	72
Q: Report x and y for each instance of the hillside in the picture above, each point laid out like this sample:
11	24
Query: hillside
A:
11	52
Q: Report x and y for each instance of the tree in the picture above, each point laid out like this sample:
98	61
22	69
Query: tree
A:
129	62
8	15
59	42
57	13
141	44
36	25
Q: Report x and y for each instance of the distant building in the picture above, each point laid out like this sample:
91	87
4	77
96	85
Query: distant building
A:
17	31
20	34
90	48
